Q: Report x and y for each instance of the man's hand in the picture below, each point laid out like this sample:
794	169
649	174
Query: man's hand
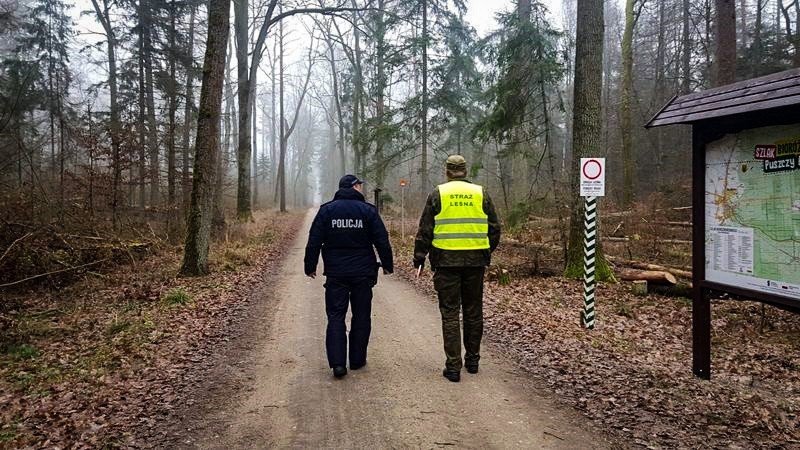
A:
419	265
312	275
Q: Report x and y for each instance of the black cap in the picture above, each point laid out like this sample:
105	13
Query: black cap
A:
349	181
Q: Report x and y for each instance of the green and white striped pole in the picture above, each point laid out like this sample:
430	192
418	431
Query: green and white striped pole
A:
589	253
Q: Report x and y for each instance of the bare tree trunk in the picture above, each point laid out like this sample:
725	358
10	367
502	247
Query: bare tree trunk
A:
359	143
626	98
140	123
724	66
380	89
90	149
50	109
187	112
195	257
328	176
792	37
254	120
708	42
287	129
587	123
172	92
660	88
758	45
273	153
243	149
282	119
743	25
103	17
61	146
341	167
686	57
218	218
796	40
424	181
152	125
265	144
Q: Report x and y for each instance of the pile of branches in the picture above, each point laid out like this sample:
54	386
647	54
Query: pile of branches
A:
47	255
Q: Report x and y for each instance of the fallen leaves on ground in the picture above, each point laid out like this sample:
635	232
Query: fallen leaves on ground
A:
631	376
107	360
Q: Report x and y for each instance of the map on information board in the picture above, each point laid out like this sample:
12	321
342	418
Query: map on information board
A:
752	210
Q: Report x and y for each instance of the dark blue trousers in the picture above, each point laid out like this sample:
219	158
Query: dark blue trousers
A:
339	292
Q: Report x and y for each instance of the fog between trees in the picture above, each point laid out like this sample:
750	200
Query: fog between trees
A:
188	114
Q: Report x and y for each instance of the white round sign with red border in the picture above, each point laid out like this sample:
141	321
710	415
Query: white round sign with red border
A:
593	177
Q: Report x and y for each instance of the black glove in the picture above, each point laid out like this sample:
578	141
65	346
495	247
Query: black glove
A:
419	263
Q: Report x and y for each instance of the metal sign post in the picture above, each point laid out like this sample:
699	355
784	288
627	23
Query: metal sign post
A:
589	253
402	210
592	186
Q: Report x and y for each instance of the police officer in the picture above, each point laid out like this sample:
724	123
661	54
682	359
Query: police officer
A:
458	230
346	229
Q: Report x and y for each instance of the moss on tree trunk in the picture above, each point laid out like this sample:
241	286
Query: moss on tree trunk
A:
587	126
198	228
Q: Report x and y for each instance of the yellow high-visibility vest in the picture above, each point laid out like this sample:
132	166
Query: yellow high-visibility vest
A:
462	224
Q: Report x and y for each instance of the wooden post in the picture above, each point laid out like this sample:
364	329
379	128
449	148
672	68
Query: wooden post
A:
378	199
701	304
402	210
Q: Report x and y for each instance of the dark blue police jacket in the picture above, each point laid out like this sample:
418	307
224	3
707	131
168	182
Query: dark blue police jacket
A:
345	230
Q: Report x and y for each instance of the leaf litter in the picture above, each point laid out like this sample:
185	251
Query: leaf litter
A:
106	362
631	376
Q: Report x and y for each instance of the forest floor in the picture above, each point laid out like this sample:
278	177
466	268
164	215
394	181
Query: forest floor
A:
273	387
105	360
631	376
134	356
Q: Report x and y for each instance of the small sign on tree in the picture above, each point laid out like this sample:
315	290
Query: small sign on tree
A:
593	177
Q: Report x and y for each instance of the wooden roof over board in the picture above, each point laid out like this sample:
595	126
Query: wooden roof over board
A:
757	94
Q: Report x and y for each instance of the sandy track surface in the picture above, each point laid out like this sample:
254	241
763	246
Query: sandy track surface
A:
289	397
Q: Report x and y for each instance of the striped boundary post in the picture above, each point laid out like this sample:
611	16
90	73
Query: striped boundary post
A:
589	249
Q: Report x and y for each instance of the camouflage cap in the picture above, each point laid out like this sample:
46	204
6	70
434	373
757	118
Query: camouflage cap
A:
456	163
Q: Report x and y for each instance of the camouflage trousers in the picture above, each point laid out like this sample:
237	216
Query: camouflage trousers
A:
460	288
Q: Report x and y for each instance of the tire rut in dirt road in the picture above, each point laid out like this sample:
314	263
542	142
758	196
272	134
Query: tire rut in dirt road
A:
400	399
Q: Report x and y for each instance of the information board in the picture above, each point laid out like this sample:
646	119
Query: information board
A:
752	210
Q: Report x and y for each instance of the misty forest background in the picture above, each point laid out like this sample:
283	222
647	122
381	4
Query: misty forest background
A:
184	115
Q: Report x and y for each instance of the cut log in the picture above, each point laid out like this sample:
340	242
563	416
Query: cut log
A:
660	241
678	290
675	241
675	224
651	276
678	272
619	214
678	208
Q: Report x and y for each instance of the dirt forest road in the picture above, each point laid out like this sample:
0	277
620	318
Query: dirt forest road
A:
399	400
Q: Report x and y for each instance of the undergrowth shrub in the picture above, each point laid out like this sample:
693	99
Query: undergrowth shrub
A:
177	297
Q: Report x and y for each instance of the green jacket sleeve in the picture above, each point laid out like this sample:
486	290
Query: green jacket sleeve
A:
424	239
494	222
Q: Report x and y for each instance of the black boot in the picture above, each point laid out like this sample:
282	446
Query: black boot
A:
339	371
453	376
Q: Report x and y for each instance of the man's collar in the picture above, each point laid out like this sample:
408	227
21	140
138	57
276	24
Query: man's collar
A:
348	194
